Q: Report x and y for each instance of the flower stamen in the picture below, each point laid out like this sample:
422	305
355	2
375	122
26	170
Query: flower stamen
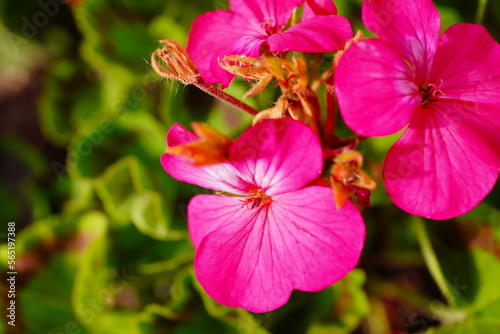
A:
432	91
268	26
255	198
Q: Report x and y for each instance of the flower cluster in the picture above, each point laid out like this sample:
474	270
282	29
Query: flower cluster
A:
282	216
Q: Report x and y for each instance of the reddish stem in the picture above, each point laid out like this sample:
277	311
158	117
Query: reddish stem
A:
219	94
331	111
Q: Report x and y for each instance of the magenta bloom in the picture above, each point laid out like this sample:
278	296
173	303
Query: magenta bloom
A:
250	24
447	88
253	249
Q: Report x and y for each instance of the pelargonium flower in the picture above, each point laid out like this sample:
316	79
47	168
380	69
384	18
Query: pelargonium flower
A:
446	88
273	234
251	24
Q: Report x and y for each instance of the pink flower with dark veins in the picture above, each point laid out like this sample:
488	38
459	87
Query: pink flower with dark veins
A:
446	89
272	234
251	24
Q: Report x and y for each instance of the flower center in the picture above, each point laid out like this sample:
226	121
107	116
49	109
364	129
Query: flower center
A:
255	198
268	26
431	91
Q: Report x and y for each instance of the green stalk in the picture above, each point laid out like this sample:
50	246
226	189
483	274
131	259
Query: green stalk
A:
431	260
480	11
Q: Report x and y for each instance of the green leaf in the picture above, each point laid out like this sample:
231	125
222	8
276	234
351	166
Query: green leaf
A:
134	133
201	322
44	301
128	195
23	197
68	99
449	17
483	215
98	286
165	27
337	309
488	270
150	216
116	190
179	294
82	196
341	307
473	277
120	41
29	156
469	326
243	321
48	253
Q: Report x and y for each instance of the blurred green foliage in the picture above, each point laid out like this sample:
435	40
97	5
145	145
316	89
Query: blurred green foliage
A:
102	244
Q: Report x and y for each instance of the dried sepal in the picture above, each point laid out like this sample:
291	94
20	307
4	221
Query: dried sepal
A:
259	86
247	67
293	78
250	69
310	103
173	62
338	55
279	110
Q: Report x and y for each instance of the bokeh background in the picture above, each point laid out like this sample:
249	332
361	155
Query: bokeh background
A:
102	244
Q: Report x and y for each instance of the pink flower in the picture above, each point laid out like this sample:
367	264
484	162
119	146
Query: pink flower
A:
447	88
273	235
251	24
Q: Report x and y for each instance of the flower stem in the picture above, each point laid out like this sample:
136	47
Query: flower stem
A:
331	112
431	260
219	94
480	11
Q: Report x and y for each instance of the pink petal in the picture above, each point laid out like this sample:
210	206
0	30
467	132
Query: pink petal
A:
468	63
223	177
326	243
376	90
218	34
410	27
278	11
318	34
278	155
443	165
233	261
254	258
178	135
207	213
318	7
